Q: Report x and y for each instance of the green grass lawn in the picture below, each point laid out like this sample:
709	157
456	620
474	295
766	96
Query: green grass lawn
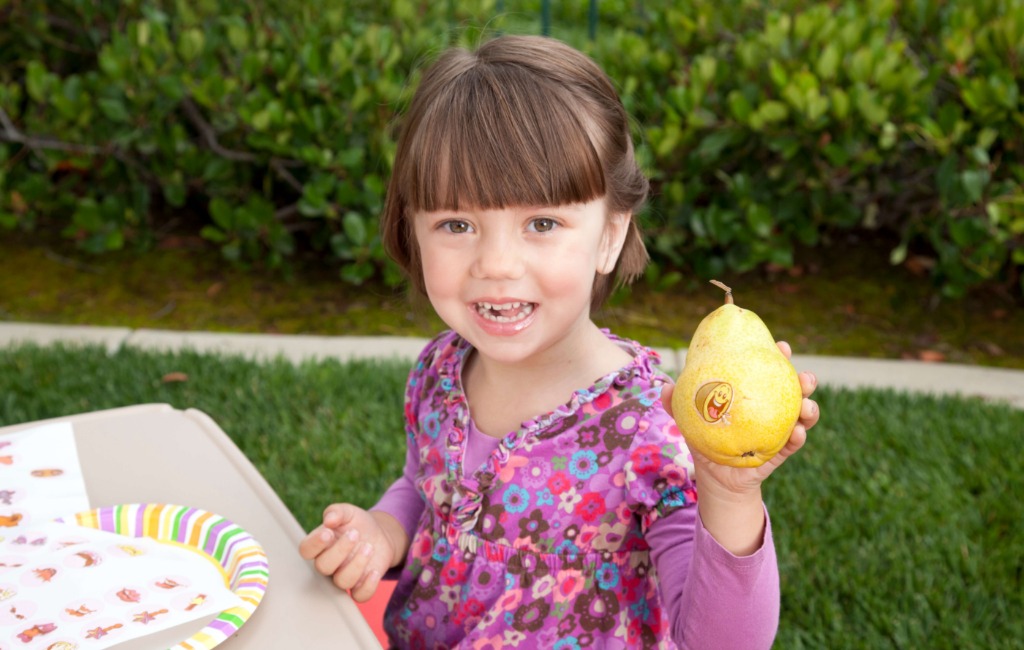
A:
900	525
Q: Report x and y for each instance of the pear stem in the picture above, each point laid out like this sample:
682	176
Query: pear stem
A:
728	291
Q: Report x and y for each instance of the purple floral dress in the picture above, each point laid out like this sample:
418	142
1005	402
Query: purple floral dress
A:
543	545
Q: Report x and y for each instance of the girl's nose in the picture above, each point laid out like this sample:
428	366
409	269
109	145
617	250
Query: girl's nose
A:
498	257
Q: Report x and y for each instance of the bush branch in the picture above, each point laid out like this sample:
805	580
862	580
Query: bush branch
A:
10	133
209	136
286	212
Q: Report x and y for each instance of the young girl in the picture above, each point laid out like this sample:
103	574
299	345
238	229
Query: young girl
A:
548	498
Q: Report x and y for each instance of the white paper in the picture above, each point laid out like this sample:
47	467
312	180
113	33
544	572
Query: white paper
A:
89	589
40	476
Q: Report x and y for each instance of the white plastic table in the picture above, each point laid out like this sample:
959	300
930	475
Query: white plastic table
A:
154	453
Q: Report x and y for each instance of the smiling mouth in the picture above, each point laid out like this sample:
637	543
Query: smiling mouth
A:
509	312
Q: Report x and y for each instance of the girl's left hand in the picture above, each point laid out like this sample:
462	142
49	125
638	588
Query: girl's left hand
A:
743	480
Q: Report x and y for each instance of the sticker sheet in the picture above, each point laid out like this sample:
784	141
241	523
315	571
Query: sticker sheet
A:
40	476
68	587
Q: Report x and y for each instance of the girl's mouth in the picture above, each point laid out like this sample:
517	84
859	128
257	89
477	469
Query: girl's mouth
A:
508	312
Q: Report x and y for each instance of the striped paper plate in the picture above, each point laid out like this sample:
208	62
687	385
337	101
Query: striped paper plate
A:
236	551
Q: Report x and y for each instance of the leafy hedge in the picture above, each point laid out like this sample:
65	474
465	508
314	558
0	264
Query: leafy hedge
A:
266	127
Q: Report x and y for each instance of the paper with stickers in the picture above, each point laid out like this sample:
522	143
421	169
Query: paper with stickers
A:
65	587
40	476
99	577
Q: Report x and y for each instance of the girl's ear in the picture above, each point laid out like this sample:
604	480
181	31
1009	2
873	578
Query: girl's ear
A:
615	230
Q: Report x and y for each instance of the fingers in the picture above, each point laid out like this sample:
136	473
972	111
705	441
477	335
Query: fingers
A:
785	348
797	437
350	559
316	542
352	562
340	514
362	570
808	382
666	398
367	586
333	558
809	413
796	441
348	549
323	537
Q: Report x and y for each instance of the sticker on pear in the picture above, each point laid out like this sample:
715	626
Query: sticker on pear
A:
713	400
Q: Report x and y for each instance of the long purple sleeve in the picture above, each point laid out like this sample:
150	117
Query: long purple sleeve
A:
702	584
402	500
714	598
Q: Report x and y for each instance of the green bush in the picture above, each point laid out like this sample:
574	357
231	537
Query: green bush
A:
267	128
264	124
771	126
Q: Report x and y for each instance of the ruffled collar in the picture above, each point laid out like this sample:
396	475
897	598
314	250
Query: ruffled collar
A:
468	490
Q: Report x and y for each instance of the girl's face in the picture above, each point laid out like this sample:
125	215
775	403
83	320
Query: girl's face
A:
516	282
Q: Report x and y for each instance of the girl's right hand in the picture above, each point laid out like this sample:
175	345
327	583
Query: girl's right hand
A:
352	547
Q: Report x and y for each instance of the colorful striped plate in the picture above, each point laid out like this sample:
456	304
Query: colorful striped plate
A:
236	551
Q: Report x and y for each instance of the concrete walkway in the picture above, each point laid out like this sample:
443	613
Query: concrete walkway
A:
995	384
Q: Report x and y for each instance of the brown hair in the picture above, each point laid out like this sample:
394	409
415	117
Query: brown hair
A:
522	120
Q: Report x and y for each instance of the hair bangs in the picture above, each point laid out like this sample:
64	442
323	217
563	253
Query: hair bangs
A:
501	138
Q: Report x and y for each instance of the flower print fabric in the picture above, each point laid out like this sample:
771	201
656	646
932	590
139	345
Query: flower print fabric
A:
543	545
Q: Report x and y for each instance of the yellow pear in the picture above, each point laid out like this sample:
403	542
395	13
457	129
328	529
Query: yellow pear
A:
738	397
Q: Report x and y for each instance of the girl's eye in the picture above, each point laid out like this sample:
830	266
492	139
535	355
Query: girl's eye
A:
456	227
543	224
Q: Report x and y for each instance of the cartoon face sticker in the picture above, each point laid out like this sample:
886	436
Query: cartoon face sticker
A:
713	400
